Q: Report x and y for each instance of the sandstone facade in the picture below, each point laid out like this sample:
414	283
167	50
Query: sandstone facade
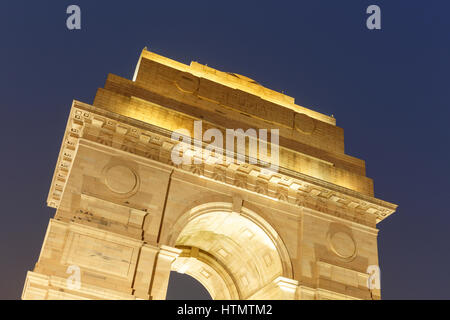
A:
126	215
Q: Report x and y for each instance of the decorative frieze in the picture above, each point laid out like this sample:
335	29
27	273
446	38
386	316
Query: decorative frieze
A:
155	144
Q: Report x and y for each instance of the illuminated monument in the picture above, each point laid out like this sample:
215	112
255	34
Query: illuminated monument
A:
126	215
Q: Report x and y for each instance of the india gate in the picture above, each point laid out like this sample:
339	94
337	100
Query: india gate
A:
127	215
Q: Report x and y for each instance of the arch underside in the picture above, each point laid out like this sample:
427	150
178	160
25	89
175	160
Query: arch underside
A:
231	254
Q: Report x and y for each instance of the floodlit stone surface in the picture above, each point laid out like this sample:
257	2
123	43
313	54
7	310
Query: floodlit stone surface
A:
126	215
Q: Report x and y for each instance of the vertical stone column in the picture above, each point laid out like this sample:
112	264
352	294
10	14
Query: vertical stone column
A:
161	273
144	271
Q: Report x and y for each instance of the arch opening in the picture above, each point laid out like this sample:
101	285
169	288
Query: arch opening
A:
231	254
185	287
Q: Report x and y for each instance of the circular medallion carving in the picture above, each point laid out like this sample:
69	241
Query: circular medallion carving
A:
120	179
186	82
342	244
304	124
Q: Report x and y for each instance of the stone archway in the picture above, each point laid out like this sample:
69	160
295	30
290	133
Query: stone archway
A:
121	217
234	255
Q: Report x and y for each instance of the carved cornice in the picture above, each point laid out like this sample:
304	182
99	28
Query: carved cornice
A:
154	143
234	81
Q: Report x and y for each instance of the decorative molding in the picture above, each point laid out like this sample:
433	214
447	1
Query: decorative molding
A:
154	143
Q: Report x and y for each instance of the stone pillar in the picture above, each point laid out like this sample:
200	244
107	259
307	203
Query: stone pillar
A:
144	271
161	272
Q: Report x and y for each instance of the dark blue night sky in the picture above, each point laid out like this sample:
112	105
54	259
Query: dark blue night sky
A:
389	89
